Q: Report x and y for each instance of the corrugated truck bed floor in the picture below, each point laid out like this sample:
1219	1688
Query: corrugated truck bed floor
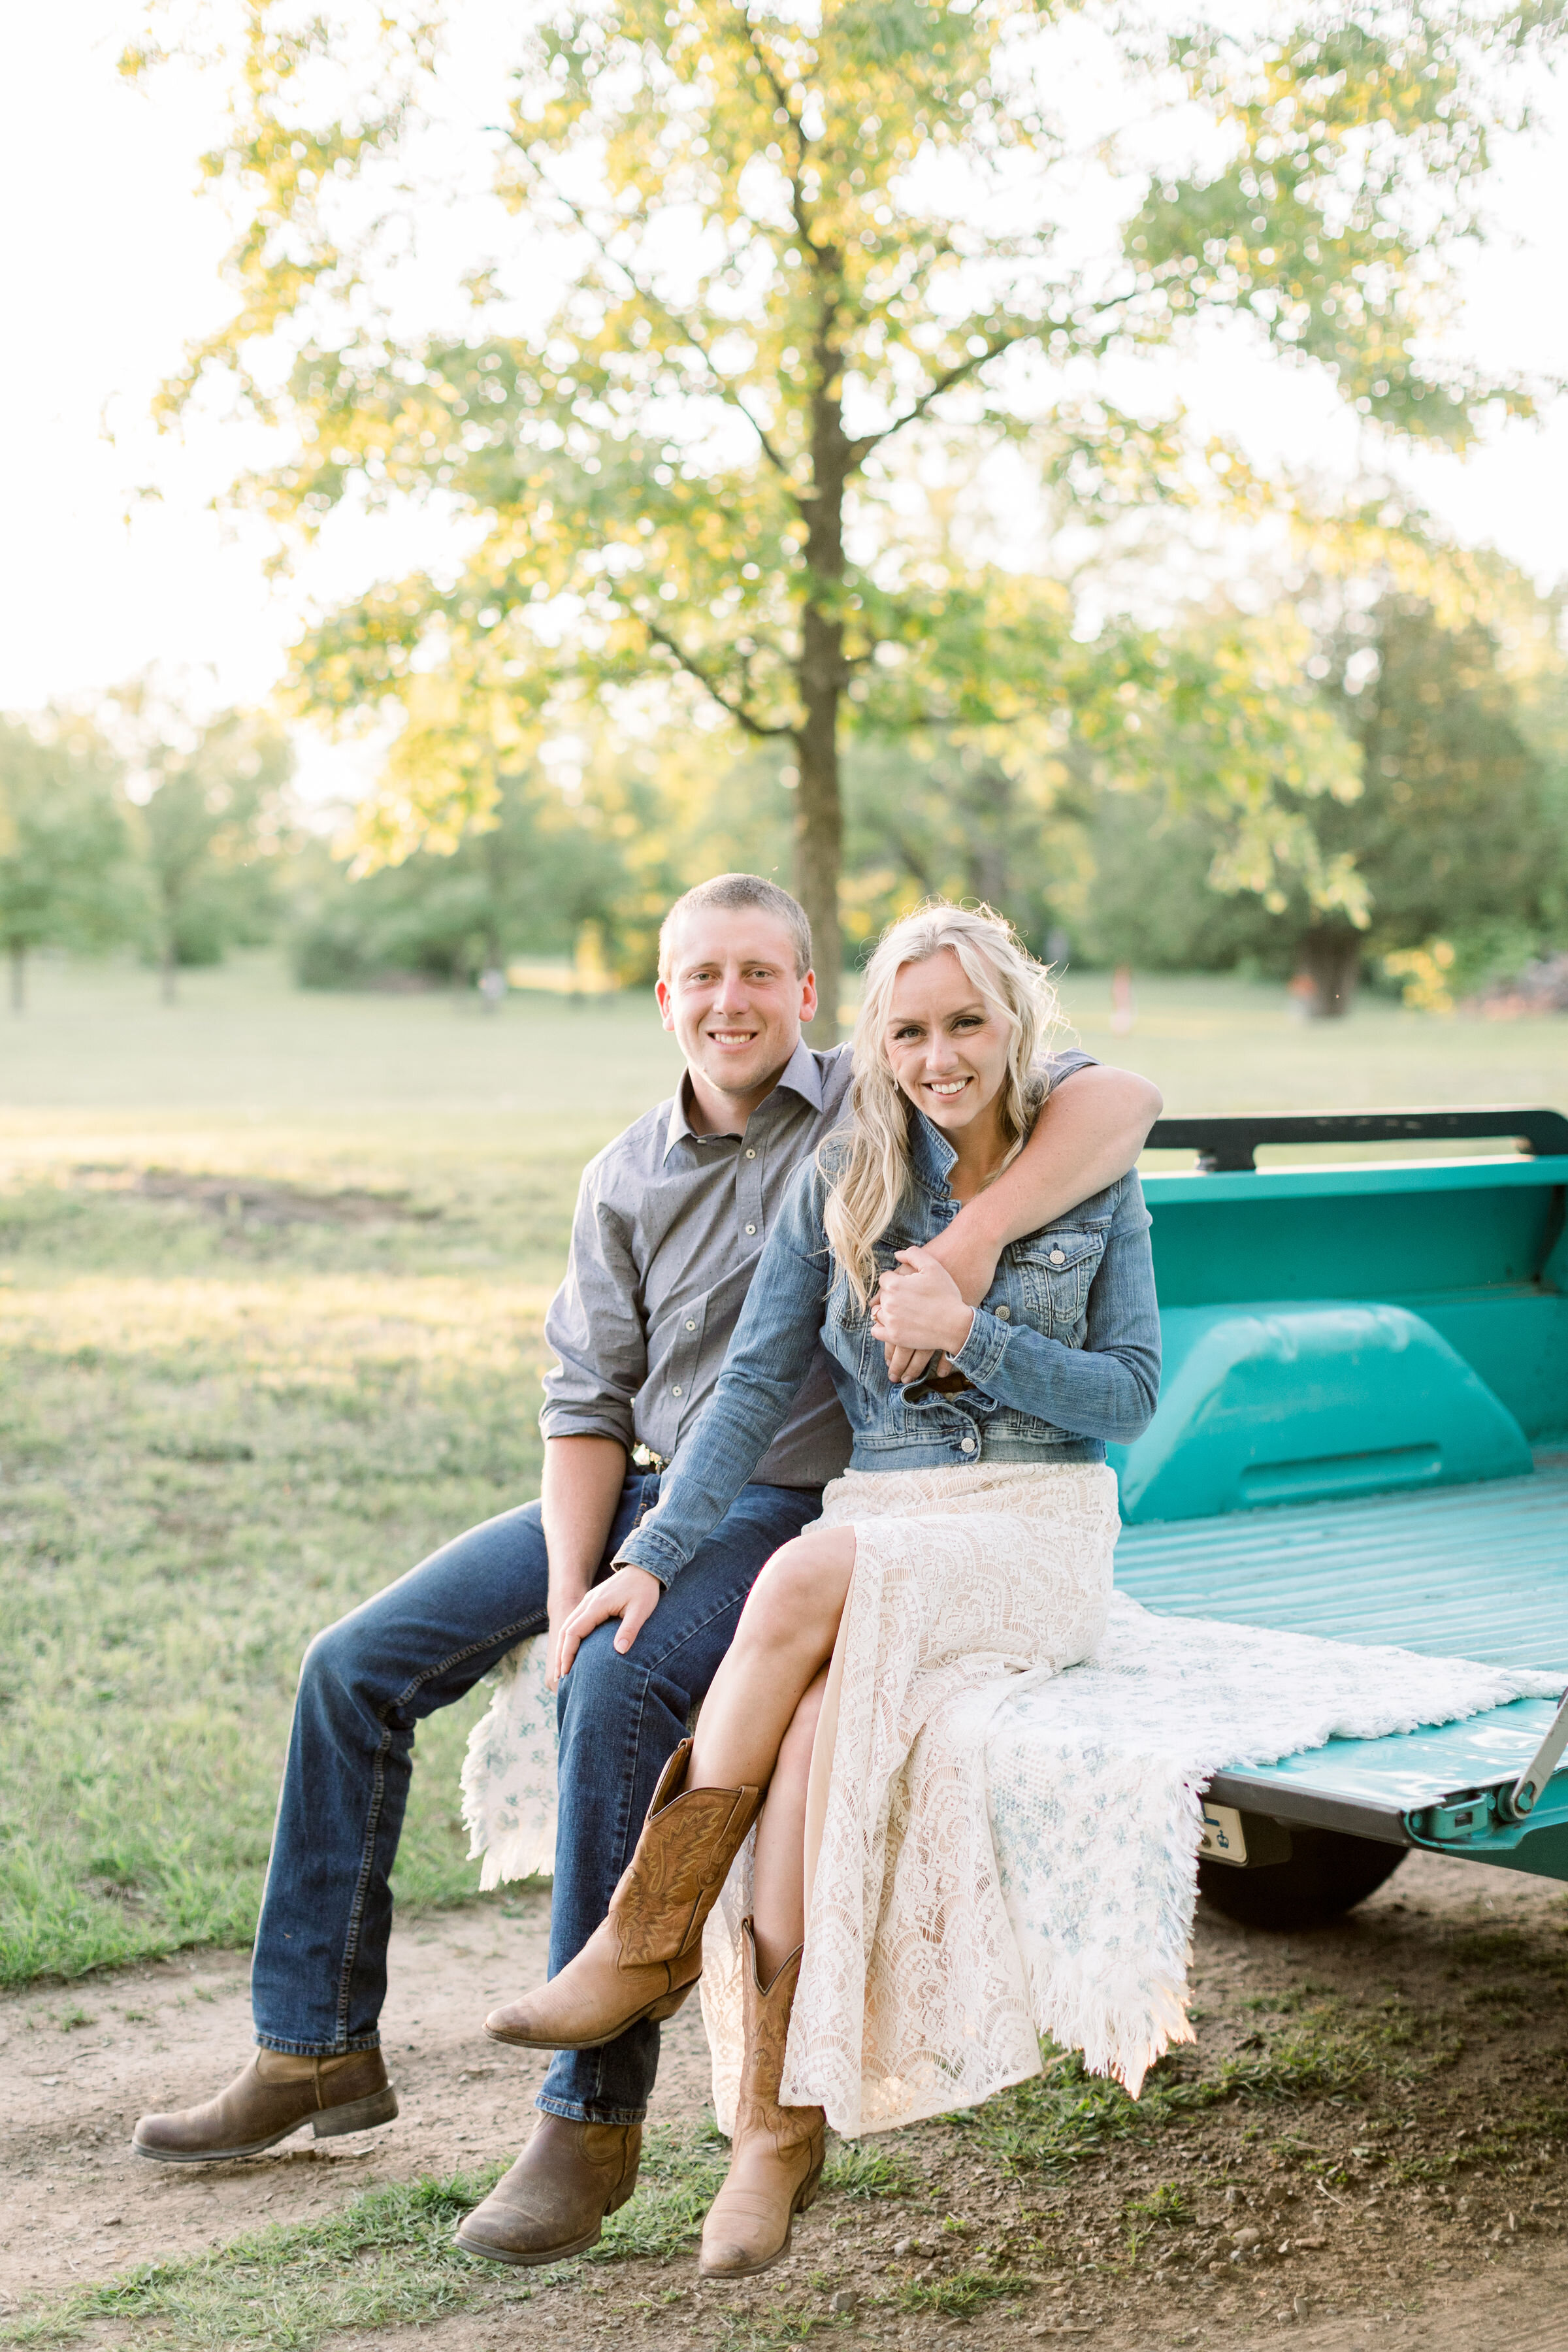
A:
1458	1572
1475	1571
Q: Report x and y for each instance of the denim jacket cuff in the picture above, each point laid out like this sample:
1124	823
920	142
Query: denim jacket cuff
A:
983	1351
646	1549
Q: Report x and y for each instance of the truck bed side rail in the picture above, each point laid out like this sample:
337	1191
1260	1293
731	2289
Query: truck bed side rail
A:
1227	1145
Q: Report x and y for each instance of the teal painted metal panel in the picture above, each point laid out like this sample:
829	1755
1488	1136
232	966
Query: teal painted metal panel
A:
1417	1771
1417	1768
1375	1232
1283	1401
1517	1341
1467	1572
1362	1179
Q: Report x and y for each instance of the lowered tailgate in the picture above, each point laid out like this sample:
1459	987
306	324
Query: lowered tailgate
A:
1476	1571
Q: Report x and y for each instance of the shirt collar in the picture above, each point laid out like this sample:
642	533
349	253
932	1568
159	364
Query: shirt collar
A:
802	1073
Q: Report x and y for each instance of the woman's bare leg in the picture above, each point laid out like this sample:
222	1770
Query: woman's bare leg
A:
784	1639
778	1890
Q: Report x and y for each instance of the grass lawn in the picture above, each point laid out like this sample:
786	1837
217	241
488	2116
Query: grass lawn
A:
272	1268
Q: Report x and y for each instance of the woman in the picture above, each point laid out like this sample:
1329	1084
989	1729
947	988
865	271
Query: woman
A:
969	1543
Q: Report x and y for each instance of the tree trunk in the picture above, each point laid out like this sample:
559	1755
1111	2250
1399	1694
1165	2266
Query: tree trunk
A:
18	976
1328	973
169	974
820	818
819	815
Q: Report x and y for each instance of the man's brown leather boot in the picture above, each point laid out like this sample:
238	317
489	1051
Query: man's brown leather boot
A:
648	1954
553	2201
276	2093
775	2158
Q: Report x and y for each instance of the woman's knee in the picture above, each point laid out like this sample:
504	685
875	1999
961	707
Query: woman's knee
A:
799	1596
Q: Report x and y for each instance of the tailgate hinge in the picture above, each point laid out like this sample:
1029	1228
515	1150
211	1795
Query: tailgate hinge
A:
1458	1819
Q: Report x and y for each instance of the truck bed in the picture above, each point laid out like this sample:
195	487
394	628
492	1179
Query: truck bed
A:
1478	1572
1475	1571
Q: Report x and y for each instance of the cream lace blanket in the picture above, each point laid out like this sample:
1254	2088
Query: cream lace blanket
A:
1008	1850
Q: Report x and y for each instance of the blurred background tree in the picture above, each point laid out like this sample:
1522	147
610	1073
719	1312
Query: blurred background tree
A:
801	266
1459	833
66	875
210	827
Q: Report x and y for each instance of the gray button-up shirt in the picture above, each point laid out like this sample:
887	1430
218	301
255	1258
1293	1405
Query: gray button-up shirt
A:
668	1229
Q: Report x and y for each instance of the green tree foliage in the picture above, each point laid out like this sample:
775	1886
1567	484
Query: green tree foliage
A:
803	259
1459	834
208	826
66	878
964	821
522	882
1451	830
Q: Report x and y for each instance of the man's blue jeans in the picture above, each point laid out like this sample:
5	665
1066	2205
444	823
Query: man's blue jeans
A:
319	1972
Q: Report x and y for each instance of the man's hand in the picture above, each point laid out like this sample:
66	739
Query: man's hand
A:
969	1257
564	1601
629	1594
919	1310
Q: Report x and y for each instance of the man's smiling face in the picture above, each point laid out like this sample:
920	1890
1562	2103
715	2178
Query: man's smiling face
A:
734	999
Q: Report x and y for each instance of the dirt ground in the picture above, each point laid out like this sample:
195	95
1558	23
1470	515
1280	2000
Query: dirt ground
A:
1424	2255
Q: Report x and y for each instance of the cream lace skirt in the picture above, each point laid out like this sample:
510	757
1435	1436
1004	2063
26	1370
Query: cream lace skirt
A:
913	1995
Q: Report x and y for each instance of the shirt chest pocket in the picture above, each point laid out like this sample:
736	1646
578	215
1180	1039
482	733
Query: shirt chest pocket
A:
1049	1275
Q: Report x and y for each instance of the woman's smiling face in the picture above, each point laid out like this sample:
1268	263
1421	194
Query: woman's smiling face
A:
946	1042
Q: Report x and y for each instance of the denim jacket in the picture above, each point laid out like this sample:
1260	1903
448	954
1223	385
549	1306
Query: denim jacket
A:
1063	1355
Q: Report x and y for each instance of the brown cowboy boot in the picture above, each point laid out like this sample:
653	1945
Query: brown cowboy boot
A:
277	2092
775	2158
553	2201
648	1954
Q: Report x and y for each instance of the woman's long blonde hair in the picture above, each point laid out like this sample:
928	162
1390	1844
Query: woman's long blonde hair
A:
868	1165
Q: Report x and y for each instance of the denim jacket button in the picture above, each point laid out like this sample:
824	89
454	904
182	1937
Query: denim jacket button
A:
966	1444
1058	1257
1003	1315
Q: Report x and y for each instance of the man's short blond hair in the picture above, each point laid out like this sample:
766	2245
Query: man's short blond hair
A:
726	891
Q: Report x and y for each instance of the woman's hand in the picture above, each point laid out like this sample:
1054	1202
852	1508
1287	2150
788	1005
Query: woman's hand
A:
918	1309
632	1594
969	1255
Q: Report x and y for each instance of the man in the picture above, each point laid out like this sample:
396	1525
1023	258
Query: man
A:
670	1220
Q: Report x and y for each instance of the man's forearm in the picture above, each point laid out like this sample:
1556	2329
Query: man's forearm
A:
581	1486
1089	1134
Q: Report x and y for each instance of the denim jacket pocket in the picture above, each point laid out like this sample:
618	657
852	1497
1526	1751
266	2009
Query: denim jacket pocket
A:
1054	1270
847	1329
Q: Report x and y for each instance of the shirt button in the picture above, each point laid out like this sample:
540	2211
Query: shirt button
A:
751	1155
750	1229
691	1326
1058	1257
675	1391
966	1444
1003	1315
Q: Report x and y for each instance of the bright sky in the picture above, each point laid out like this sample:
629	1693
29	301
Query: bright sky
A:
111	267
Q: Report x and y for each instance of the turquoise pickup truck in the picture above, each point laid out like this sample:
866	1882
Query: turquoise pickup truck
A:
1362	1433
